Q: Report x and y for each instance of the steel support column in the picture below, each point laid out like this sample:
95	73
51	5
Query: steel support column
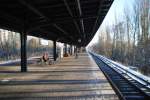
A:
23	38
54	50
74	49
71	53
65	49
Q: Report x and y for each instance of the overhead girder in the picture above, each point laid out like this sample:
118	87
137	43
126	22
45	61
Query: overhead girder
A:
67	19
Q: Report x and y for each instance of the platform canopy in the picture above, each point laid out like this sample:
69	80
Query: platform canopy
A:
69	21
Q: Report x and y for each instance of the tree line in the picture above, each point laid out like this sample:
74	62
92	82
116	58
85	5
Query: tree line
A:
10	46
128	40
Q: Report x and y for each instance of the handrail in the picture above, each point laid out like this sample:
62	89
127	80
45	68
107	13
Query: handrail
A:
144	80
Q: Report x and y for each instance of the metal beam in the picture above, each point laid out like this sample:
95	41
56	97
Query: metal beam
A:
47	33
68	8
71	14
10	17
80	13
36	11
13	21
82	23
79	7
32	8
99	11
70	3
58	20
62	30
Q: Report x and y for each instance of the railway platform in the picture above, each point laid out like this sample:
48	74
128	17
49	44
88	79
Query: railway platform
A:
70	79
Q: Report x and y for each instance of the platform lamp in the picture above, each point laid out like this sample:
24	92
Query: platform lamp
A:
79	40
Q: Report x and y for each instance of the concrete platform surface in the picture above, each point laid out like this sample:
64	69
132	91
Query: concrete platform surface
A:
69	79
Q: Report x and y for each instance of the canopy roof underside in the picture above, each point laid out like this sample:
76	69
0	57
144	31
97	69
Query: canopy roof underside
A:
66	21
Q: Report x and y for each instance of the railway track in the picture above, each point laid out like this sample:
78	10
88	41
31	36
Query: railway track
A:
124	85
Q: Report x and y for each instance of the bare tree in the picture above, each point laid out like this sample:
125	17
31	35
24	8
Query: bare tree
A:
135	29
128	32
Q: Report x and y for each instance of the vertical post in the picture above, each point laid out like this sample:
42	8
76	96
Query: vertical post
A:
23	38
65	49
76	52
71	50
74	49
54	50
61	51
